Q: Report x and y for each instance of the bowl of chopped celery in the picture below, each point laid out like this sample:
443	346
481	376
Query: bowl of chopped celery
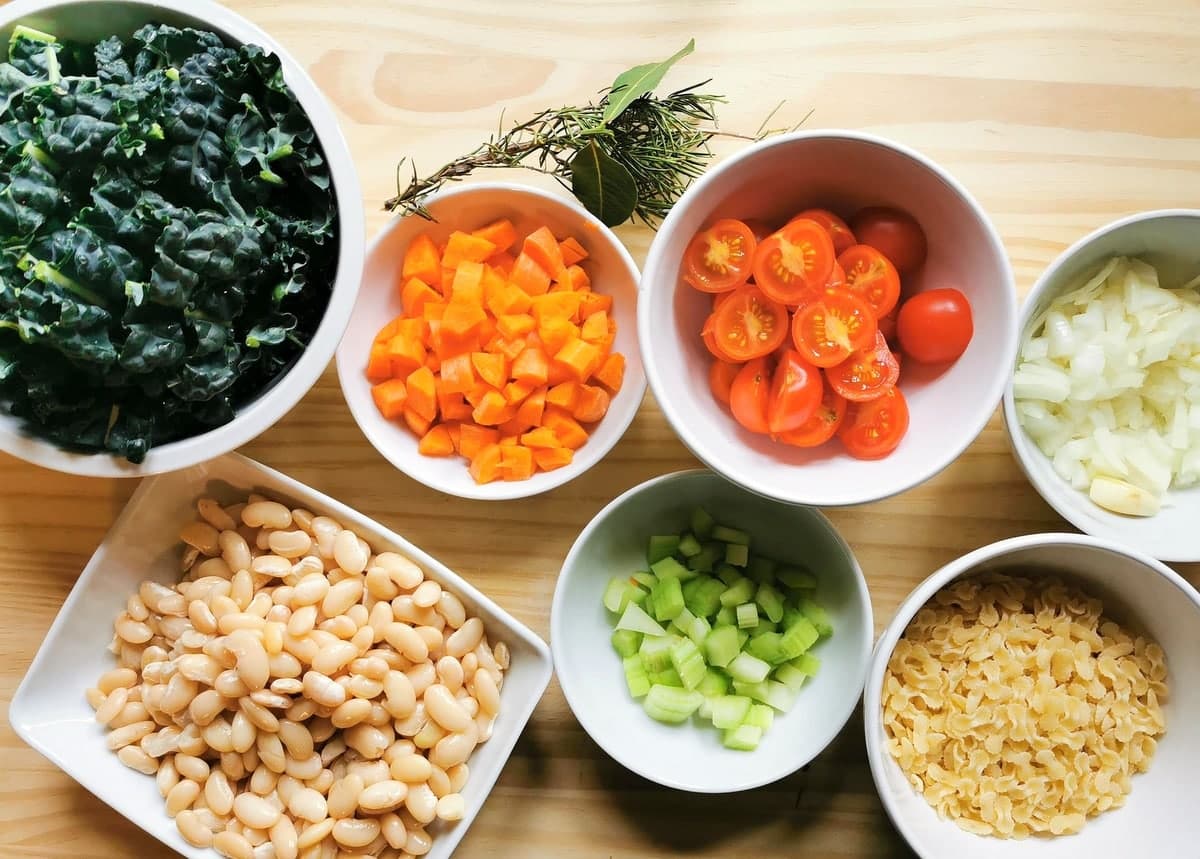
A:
707	638
1103	404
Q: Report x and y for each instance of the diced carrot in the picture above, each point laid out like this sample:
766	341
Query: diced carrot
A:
458	377
462	318
542	248
595	327
379	365
476	394
492	368
568	430
559	373
572	251
422	393
510	348
447	344
513	429
502	234
433	311
508	439
389	397
531	366
531	408
487	329
516	392
565	395
593	302
463	247
612	372
415	294
406	354
388	331
503	262
510	299
452	406
433	362
516	463
454	430
557	305
436	442
514	324
485	465
529	276
422	260
415	329
540	437
467	284
605	343
550	458
592	404
491	409
555	332
580	356
578	278
473	438
417	423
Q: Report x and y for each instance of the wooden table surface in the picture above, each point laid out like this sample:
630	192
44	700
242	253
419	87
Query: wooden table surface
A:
1058	116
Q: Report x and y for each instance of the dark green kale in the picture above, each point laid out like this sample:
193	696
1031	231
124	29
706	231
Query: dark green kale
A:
168	234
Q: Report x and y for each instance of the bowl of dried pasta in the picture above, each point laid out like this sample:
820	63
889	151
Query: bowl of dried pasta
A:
1035	698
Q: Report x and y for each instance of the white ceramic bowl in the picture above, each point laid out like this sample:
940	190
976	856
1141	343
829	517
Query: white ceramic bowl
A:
843	171
1169	240
468	207
690	756
49	712
1159	818
91	19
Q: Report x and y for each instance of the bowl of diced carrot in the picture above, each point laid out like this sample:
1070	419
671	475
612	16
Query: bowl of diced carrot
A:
492	352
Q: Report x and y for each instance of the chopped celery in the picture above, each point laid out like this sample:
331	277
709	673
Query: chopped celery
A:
656	652
755	691
761	570
725	617
736	555
766	647
797	639
689	546
702	523
626	642
703	595
817	615
742	637
722	646
661	546
748	669
707	558
666	599
614	595
738	592
790	676
730	535
698	630
669	705
796	578
644	578
728	573
635	618
714	683
747	615
667	677
682	622
669	568
806	663
636	677
688	663
764	626
770	601
729	711
704	711
743	738
760	716
780	696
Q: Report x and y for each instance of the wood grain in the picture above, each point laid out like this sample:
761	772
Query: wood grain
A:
1059	117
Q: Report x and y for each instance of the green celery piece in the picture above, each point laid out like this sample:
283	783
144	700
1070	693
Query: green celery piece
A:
682	622
704	711
760	716
656	652
661	546
790	615
673	706
614	594
726	616
730	535
743	738
714	683
729	711
747	615
667	677
666	597
635	618
742	637
780	696
644	578
806	663
797	639
721	646
761	570
626	642
736	554
690	587
817	615
636	677
739	592
636	594
766	647
770	601
669	568
689	546
698	630
688	663
755	691
764	626
702	523
796	578
728	573
707	558
702	595
748	669
790	676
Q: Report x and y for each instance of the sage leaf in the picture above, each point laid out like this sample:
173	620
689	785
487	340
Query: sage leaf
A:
604	186
638	81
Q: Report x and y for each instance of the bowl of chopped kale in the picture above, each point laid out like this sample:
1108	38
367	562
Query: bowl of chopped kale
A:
181	233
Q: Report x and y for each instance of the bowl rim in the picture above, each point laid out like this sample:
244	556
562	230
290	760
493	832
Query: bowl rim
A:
349	371
286	390
877	756
1055	491
656	260
587	720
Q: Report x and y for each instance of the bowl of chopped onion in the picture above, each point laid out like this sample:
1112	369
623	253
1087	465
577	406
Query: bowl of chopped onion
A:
1103	408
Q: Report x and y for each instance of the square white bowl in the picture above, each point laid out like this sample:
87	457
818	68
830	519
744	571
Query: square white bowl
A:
49	711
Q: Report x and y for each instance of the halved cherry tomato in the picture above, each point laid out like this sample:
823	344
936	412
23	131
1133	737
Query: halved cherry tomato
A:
709	335
793	264
830	328
872	277
749	394
796	390
822	426
839	233
867	374
894	234
887	324
872	430
837	277
720	379
935	326
720	298
760	228
749	325
721	257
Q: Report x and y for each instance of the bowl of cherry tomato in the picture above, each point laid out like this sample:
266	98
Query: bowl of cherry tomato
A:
828	318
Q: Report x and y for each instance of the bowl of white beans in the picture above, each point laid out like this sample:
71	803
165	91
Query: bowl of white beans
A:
247	668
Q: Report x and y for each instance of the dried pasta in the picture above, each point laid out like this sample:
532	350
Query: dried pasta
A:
1017	708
